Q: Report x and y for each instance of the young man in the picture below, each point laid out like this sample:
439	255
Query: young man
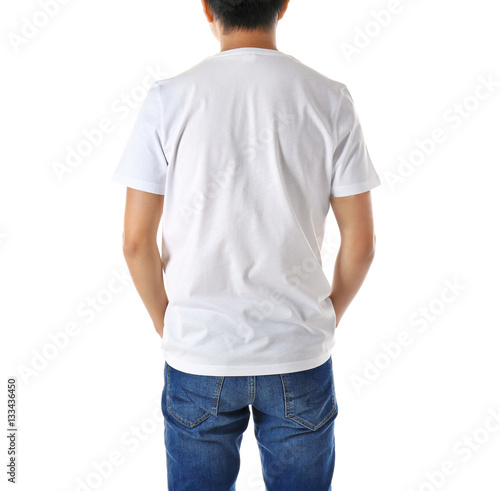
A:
243	154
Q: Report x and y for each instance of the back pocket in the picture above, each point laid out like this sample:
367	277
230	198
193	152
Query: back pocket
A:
191	399
310	396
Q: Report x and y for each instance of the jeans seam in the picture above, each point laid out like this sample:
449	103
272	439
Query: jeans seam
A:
216	396
288	413
252	389
203	418
286	396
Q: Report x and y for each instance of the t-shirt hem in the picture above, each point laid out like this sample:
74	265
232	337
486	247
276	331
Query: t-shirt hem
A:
139	184
361	187
247	370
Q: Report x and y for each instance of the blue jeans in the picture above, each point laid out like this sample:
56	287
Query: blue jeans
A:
293	415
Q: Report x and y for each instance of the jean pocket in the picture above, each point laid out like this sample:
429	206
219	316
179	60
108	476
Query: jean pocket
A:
191	399
310	396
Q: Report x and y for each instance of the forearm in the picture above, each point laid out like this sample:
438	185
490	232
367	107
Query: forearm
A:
144	264
351	267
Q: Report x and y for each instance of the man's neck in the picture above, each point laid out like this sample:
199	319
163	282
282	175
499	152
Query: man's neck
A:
265	40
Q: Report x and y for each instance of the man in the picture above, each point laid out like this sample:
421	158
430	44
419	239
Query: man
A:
243	154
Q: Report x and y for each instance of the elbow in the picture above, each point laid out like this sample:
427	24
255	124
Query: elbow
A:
372	248
369	249
363	247
130	248
367	254
132	245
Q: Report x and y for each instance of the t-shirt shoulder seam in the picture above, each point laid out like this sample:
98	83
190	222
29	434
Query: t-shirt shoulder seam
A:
343	88
158	87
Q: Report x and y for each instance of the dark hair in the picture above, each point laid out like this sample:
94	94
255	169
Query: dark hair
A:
246	14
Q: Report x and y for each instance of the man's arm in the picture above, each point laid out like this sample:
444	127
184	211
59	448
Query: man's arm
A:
357	248
142	216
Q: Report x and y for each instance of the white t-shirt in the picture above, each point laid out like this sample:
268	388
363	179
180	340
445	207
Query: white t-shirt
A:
247	147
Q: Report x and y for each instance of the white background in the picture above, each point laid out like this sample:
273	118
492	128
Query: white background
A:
99	396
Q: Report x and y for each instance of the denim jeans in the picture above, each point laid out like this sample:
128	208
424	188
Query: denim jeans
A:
293	416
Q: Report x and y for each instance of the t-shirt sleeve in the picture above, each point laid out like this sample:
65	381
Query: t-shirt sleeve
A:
143	164
353	170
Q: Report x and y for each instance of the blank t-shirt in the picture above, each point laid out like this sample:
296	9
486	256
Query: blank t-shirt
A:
247	147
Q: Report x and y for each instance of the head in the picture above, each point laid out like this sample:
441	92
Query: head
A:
233	18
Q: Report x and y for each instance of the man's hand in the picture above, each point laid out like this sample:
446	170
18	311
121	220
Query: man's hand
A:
143	212
357	249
